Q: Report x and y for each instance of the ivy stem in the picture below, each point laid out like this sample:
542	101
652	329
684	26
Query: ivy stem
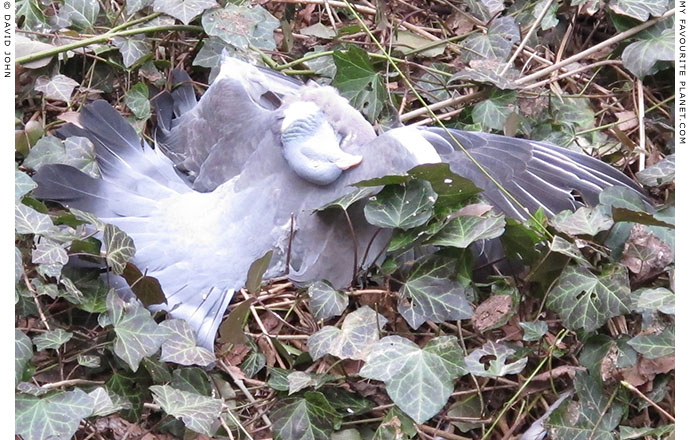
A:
103	38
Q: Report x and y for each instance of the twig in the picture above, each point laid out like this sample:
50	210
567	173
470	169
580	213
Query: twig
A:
523	43
649	401
242	388
640	115
597	47
439	433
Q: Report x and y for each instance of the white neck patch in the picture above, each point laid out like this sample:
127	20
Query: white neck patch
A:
298	110
414	142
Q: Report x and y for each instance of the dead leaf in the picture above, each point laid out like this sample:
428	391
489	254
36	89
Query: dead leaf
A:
645	254
492	313
628	120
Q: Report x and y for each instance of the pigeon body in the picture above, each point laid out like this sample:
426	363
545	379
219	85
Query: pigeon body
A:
233	176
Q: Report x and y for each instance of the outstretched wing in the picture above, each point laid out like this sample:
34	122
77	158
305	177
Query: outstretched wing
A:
536	174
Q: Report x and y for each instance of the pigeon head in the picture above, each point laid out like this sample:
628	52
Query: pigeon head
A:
311	145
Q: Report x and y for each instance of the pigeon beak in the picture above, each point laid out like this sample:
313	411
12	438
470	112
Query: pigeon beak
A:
348	162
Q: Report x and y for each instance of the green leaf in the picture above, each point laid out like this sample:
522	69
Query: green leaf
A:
622	197
137	5
241	26
585	221
498	363
573	110
349	199
655	345
309	417
639	9
137	99
130	388
419	381
81	13
347	404
119	248
402	206
550	19
180	345
592	417
278	378
433	294
57	88
52	339
655	299
36	21
660	173
105	404
359	331
469	407
89	361
641	56
193	380
23	352
452	190
54	416
138	335
231	330
534	331
29	221
23	184
563	246
183	10
493	112
357	81
462	231
299	380
49	252
210	54
133	49
256	272
197	412
496	44
74	151
434	86
585	300
18	264
325	301
253	363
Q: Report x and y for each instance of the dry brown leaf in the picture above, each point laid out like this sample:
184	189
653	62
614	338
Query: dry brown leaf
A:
493	312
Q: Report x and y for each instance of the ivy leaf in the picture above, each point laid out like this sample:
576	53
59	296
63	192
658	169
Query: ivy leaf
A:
23	352
54	416
299	380
563	246
349	199
462	231
81	13
585	221
309	417
57	88
660	173
585	300
534	331
180	345
408	42
29	221
419	381
496	44
183	10
498	365
137	5
357	81
658	44
325	301
318	30
137	100
138	335
639	9
49	252
571	110
23	184
193	380
433	293
133	49
550	19
130	388
395	426
652	300
655	345
105	404
34	20
198	413
359	331
493	112
53	339
119	248
253	363
75	151
241	27
488	72
590	417
402	206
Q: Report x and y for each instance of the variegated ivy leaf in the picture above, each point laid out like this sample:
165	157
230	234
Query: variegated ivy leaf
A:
180	345
198	413
183	10
58	88
498	366
54	416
